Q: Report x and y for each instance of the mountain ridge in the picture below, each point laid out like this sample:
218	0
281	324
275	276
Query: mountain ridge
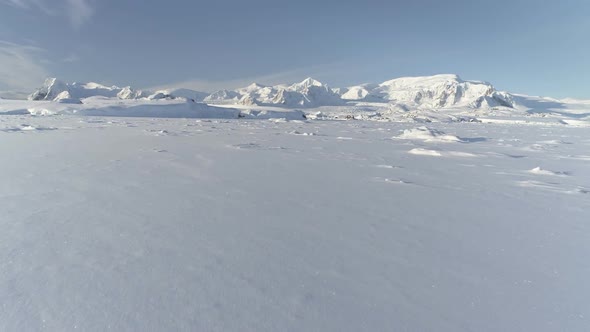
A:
421	92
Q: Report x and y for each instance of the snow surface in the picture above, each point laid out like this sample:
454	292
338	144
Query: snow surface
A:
139	214
249	225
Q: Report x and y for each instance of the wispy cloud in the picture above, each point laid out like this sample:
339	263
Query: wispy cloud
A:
71	58
77	11
21	70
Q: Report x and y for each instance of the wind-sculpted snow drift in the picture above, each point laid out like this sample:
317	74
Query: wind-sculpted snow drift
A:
428	135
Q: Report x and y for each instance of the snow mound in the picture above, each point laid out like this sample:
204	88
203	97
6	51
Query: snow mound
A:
428	135
65	98
158	95
541	171
287	115
425	152
360	92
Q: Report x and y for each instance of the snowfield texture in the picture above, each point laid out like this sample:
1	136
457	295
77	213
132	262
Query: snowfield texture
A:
166	214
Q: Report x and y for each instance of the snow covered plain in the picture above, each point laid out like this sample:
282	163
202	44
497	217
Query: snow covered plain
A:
440	205
112	223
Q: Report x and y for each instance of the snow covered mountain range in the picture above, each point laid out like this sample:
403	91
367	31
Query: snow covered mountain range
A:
58	91
308	93
439	91
438	98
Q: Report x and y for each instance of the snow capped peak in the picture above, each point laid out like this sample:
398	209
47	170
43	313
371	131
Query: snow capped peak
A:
437	91
311	82
423	92
128	93
306	83
256	86
50	89
252	88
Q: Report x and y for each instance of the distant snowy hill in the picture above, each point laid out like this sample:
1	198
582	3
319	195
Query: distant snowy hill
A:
306	94
438	91
197	96
59	91
54	88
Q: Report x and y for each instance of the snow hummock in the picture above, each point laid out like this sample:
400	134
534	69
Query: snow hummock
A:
540	171
66	98
428	135
265	114
425	152
360	92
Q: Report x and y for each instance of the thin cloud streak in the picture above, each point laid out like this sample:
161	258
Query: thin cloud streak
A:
78	12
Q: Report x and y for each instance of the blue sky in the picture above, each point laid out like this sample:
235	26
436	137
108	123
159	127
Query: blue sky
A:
522	46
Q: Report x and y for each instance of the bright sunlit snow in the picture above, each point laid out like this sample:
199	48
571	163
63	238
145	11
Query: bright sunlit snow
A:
419	204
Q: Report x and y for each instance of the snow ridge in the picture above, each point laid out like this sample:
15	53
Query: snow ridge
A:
427	93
